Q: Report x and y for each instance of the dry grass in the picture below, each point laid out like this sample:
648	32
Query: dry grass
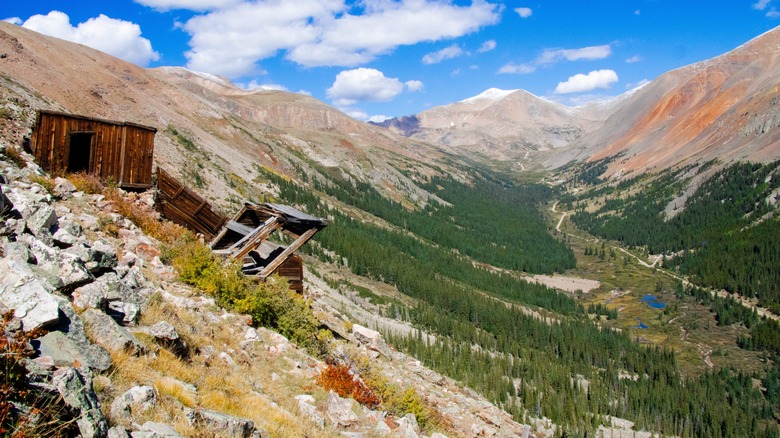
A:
220	387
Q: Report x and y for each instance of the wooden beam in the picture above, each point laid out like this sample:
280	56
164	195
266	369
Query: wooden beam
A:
268	270
249	242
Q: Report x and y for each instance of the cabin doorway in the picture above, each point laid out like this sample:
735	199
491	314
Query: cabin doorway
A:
80	151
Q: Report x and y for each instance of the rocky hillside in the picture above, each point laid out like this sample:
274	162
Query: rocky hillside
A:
129	350
726	108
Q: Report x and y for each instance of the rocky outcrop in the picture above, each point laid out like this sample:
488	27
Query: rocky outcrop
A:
75	388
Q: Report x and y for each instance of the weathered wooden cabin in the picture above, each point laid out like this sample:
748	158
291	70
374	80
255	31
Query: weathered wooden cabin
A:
245	238
119	151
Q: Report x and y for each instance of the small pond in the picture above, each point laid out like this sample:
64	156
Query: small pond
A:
652	301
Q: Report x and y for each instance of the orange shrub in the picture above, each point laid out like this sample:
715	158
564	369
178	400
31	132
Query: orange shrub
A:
339	379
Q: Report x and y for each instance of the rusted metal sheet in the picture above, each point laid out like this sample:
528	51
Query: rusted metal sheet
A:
186	208
118	151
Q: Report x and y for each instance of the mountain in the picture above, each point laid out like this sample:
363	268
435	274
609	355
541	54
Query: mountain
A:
725	108
234	131
500	124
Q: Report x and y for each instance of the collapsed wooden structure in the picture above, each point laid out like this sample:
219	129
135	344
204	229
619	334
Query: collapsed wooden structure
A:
185	207
245	237
117	151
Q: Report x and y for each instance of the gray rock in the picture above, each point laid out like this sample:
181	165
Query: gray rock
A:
307	408
127	313
63	187
64	239
72	272
135	400
100	293
23	292
340	411
100	256
155	430
76	390
67	343
220	424
104	255
108	334
407	427
164	330
118	432
42	222
371	339
89	222
382	429
18	251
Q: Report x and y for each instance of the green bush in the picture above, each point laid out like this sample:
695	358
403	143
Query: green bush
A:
270	304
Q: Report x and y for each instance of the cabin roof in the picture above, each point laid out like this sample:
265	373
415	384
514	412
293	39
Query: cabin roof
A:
293	215
95	119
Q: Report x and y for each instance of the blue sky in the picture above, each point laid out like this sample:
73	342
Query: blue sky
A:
378	58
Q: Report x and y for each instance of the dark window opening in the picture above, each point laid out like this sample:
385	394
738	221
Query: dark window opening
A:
80	151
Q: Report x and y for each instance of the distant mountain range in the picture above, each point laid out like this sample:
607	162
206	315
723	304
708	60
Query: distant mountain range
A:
724	108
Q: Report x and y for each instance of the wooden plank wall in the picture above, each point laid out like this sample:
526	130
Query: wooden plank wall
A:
138	159
292	270
51	145
184	207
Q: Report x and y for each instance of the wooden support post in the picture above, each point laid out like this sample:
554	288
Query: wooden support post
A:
255	238
268	270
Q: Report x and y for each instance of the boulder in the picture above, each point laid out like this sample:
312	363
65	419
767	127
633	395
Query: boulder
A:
135	400
63	188
75	388
340	411
24	293
66	343
307	408
108	334
407	427
18	251
223	425
372	339
126	313
166	335
101	292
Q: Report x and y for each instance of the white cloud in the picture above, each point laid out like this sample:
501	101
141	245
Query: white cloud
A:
356	114
773	13
254	85
414	85
551	56
193	5
363	84
487	46
637	12
585	53
513	68
116	37
761	4
13	20
232	40
524	12
634	59
581	83
450	52
378	118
